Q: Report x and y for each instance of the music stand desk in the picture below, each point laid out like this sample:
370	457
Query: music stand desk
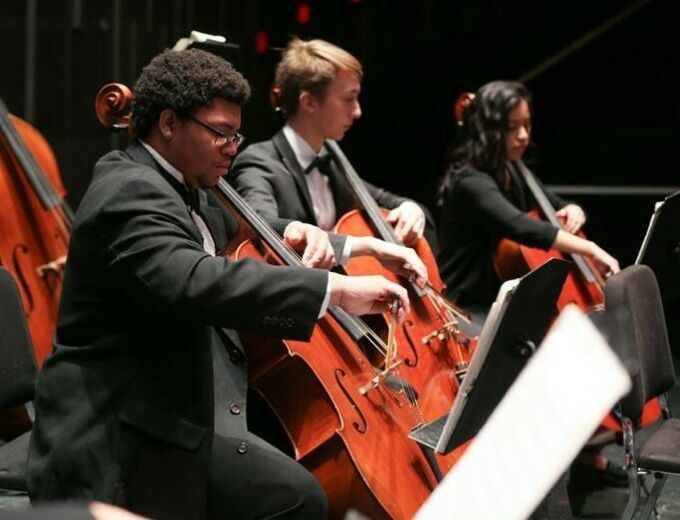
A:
517	323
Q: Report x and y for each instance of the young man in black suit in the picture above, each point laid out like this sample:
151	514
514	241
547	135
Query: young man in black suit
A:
319	94
126	409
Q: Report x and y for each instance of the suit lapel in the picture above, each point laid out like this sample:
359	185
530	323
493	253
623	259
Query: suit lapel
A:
290	162
221	223
140	155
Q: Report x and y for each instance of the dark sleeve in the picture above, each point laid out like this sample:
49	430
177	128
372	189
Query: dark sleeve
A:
151	250
481	195
249	176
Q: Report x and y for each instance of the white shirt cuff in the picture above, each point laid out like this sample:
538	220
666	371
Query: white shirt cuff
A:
346	251
326	299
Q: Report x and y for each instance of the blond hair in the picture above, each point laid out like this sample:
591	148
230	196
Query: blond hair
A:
310	65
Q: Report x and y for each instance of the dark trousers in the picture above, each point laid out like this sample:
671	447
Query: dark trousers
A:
274	485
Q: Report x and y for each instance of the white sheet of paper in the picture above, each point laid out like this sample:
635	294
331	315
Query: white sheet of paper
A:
536	431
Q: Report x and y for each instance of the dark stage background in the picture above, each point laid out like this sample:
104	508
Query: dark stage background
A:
606	108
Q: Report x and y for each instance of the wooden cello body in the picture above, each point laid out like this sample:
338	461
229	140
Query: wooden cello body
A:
432	346
34	234
585	284
34	225
513	260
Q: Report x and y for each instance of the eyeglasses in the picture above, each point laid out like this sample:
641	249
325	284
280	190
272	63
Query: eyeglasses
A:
221	139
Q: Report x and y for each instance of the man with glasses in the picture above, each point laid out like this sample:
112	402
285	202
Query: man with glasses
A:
127	409
291	176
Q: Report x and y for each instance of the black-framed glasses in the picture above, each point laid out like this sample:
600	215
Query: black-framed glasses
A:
221	139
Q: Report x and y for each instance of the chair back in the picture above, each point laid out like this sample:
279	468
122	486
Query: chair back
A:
634	293
17	363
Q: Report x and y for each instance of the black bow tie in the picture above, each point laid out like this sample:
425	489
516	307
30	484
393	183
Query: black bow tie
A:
322	162
193	200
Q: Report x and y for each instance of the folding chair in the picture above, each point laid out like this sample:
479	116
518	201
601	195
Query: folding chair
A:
634	292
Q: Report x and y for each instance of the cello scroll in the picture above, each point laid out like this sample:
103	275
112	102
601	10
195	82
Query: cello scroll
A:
112	106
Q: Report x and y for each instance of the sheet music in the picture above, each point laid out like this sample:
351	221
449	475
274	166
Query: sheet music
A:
484	343
539	427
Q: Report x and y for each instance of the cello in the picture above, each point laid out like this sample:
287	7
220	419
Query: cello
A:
34	226
345	424
432	340
34	233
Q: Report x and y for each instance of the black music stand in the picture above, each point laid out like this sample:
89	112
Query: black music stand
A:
517	323
660	248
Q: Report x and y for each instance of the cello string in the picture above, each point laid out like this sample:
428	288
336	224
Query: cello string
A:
290	255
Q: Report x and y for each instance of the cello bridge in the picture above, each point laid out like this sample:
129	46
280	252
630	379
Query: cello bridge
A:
379	378
448	330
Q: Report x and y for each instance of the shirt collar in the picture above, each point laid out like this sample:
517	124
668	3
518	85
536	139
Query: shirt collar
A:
174	172
304	153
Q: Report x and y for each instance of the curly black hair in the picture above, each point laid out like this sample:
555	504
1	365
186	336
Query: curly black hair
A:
183	81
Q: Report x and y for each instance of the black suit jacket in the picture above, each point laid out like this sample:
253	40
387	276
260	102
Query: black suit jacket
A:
270	178
126	397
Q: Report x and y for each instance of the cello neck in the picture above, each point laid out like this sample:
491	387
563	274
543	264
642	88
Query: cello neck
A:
270	237
550	214
367	203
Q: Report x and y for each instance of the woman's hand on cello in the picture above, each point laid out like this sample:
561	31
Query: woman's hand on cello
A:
605	260
318	251
572	217
408	221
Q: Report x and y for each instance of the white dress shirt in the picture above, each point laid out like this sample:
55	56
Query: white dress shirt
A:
319	187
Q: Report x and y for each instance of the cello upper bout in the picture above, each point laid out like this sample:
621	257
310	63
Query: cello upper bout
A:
41	151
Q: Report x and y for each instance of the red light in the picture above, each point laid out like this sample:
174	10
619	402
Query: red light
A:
304	13
261	42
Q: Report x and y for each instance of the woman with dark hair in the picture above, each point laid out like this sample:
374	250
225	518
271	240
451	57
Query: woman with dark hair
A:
484	199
